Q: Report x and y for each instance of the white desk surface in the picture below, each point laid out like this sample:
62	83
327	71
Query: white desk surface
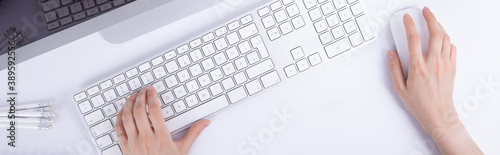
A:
345	107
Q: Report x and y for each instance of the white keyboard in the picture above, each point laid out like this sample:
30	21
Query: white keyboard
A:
235	61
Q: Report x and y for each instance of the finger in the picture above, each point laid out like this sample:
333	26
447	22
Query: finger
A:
128	117
436	34
192	134
120	129
453	57
155	113
398	79
414	44
140	113
446	50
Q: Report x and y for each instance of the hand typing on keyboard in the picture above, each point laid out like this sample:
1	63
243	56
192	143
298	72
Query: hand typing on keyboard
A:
428	91
137	136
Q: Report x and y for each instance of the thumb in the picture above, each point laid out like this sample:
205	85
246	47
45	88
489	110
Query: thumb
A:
398	79
191	135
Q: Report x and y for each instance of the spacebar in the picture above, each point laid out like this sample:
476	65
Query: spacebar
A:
197	113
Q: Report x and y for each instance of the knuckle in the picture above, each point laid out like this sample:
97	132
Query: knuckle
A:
414	39
438	35
138	109
127	117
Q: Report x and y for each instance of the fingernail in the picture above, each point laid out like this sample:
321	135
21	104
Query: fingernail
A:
426	9
407	16
390	55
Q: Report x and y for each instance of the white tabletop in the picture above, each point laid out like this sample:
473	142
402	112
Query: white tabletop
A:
345	107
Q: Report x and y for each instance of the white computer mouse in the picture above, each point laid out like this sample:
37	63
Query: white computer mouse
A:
399	34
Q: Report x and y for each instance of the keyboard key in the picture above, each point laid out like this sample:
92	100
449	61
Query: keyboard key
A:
253	58
157	61
298	22
280	16
135	84
79	16
327	8
208	37
246	19
132	72
350	26
88	4
228	83
233	38
144	67
196	55
253	87
195	114
85	107
261	47
232	53
260	68
351	1
66	2
326	38
63	12
339	3
314	59
184	61
264	11
50	5
80	96
365	28
338	32
309	3
104	141
97	101
303	65
248	31
345	15
159	72
192	100
290	70
241	63
119	78
101	128
315	14
180	91
337	48
167	97
179	106
216	89
320	26
357	9
245	47
75	7
221	31
240	78
120	103
92	11
113	150
268	22
192	86
183	75
233	25
171	67
113	134
286	2
195	70
297	53
110	95
204	80
273	34
147	78
99	2
118	2
276	5
94	117
106	84
105	7
237	94
355	39
228	69
167	112
208	64
208	49
220	44
204	95
109	110
216	74
220	59
171	81
50	16
270	79
195	43
292	10
286	28
93	90
182	49
332	20
170	55
159	86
